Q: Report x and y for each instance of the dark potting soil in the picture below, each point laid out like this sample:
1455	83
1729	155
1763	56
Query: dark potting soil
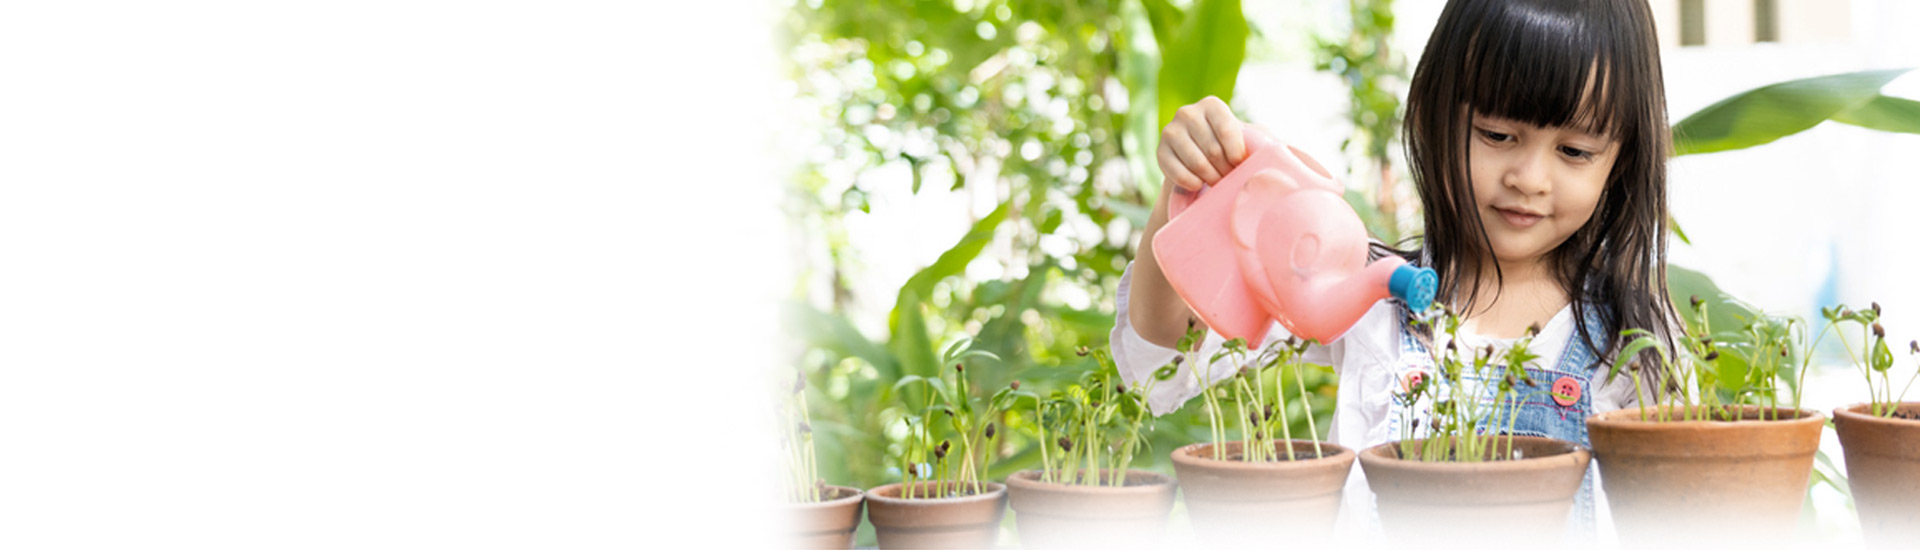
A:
1906	415
1126	481
1280	457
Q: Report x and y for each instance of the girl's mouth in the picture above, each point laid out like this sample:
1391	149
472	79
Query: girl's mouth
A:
1519	218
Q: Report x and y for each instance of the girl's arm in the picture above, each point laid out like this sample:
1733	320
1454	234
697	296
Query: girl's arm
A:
1202	143
1137	357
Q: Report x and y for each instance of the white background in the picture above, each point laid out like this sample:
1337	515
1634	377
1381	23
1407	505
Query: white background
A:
383	274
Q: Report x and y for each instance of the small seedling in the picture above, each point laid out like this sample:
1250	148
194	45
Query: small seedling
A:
1092	426
950	442
803	478
1873	357
1461	402
1718	372
1246	389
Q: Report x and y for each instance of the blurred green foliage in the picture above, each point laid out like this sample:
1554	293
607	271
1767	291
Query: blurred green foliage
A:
1045	115
1052	109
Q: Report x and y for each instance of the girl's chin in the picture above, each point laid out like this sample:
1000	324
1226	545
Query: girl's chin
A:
1517	254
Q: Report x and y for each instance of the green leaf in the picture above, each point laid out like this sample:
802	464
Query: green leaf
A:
952	262
1641	340
1052	222
1673	225
1831	476
1882	357
1774	111
1165	19
1884	113
1203	57
833	333
910	343
1722	310
1139	69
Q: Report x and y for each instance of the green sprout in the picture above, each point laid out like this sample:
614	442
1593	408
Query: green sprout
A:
1254	407
803	478
1719	372
1091	426
950	442
1874	356
1459	420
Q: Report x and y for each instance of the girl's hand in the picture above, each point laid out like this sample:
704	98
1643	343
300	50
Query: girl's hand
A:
1201	145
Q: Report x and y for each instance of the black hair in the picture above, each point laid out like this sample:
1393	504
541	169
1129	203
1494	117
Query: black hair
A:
1535	61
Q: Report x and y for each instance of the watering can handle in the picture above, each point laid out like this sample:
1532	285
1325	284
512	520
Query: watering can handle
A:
1257	139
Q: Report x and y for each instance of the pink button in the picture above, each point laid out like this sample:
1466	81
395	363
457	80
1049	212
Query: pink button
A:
1412	379
1566	391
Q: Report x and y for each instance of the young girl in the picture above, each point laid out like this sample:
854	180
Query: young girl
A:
1537	136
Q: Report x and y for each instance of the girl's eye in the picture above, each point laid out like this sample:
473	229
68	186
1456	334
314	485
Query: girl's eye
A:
1576	154
1496	137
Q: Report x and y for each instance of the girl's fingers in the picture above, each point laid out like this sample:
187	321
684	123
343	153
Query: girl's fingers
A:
1208	141
1226	128
1195	160
1174	171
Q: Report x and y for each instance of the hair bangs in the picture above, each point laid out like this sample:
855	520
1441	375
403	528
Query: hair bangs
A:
1547	64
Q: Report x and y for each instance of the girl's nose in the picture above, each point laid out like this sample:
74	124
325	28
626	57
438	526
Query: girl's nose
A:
1528	174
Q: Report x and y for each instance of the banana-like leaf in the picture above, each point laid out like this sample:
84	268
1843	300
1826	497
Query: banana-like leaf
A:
1774	111
1885	113
910	343
1203	56
950	263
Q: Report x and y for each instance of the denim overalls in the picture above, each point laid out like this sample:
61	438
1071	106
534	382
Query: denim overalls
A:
1542	413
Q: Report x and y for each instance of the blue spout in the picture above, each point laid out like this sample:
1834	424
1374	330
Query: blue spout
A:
1414	285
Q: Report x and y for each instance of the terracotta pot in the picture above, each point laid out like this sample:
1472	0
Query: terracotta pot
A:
828	523
1524	499
1057	515
1232	502
1883	467
1706	480
969	521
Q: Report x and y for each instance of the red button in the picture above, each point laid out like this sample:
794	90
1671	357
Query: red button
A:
1411	379
1566	391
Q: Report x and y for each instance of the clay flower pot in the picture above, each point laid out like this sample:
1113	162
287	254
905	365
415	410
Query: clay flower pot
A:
1706	480
828	523
1057	515
1523	499
1883	468
967	521
1232	501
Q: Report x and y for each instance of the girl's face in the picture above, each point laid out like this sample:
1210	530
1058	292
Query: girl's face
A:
1535	185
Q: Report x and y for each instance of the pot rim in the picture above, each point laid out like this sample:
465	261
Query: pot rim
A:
1857	412
1030	480
875	495
1191	454
847	494
1578	453
1629	419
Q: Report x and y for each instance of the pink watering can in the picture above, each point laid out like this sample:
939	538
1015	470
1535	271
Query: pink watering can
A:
1275	240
